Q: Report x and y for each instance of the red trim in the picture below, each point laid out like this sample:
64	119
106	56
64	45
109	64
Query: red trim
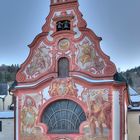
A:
81	103
43	80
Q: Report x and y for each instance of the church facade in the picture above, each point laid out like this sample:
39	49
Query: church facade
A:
66	89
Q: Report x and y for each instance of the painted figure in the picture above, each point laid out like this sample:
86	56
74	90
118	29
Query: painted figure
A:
86	54
40	63
90	117
98	111
88	57
28	115
99	64
62	87
72	88
53	89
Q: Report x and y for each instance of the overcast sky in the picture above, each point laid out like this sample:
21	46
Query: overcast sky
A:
116	21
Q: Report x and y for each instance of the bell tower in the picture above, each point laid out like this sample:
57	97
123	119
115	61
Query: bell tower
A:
54	2
66	88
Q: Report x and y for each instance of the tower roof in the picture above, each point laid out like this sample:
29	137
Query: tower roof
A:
56	2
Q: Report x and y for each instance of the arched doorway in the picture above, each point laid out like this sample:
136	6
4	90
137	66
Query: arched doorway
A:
63	117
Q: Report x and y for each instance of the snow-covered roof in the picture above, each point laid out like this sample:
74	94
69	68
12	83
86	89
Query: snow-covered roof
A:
135	98
2	96
132	91
131	108
6	114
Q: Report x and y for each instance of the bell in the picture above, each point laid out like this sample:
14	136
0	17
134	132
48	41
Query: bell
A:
59	26
66	25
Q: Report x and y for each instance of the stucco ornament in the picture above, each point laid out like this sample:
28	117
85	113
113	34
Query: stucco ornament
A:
64	44
62	87
75	24
60	14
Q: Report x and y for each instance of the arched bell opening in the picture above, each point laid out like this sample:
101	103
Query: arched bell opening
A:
63	25
63	117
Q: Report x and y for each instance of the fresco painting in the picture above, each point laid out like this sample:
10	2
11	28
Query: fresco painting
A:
40	63
88	58
98	112
29	113
62	87
98	123
89	82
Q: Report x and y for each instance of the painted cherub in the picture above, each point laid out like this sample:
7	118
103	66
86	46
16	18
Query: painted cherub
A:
72	88
53	91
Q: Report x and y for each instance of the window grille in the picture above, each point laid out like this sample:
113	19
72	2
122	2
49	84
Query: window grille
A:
63	67
63	117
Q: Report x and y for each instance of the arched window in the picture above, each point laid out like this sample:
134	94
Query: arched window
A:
63	25
63	67
63	117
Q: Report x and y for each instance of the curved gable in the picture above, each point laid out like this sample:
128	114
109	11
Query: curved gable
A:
78	44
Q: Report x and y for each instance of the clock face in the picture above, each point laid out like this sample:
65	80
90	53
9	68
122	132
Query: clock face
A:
64	44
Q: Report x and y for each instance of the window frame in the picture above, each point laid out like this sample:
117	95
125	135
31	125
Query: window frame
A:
0	126
63	67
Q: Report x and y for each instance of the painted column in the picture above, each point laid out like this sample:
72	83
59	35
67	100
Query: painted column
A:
116	115
126	134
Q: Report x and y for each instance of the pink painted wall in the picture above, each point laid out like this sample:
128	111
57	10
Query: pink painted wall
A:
90	83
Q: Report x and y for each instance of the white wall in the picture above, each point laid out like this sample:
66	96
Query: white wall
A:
116	116
7	102
133	125
7	129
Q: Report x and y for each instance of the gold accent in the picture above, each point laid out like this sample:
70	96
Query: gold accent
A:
64	44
